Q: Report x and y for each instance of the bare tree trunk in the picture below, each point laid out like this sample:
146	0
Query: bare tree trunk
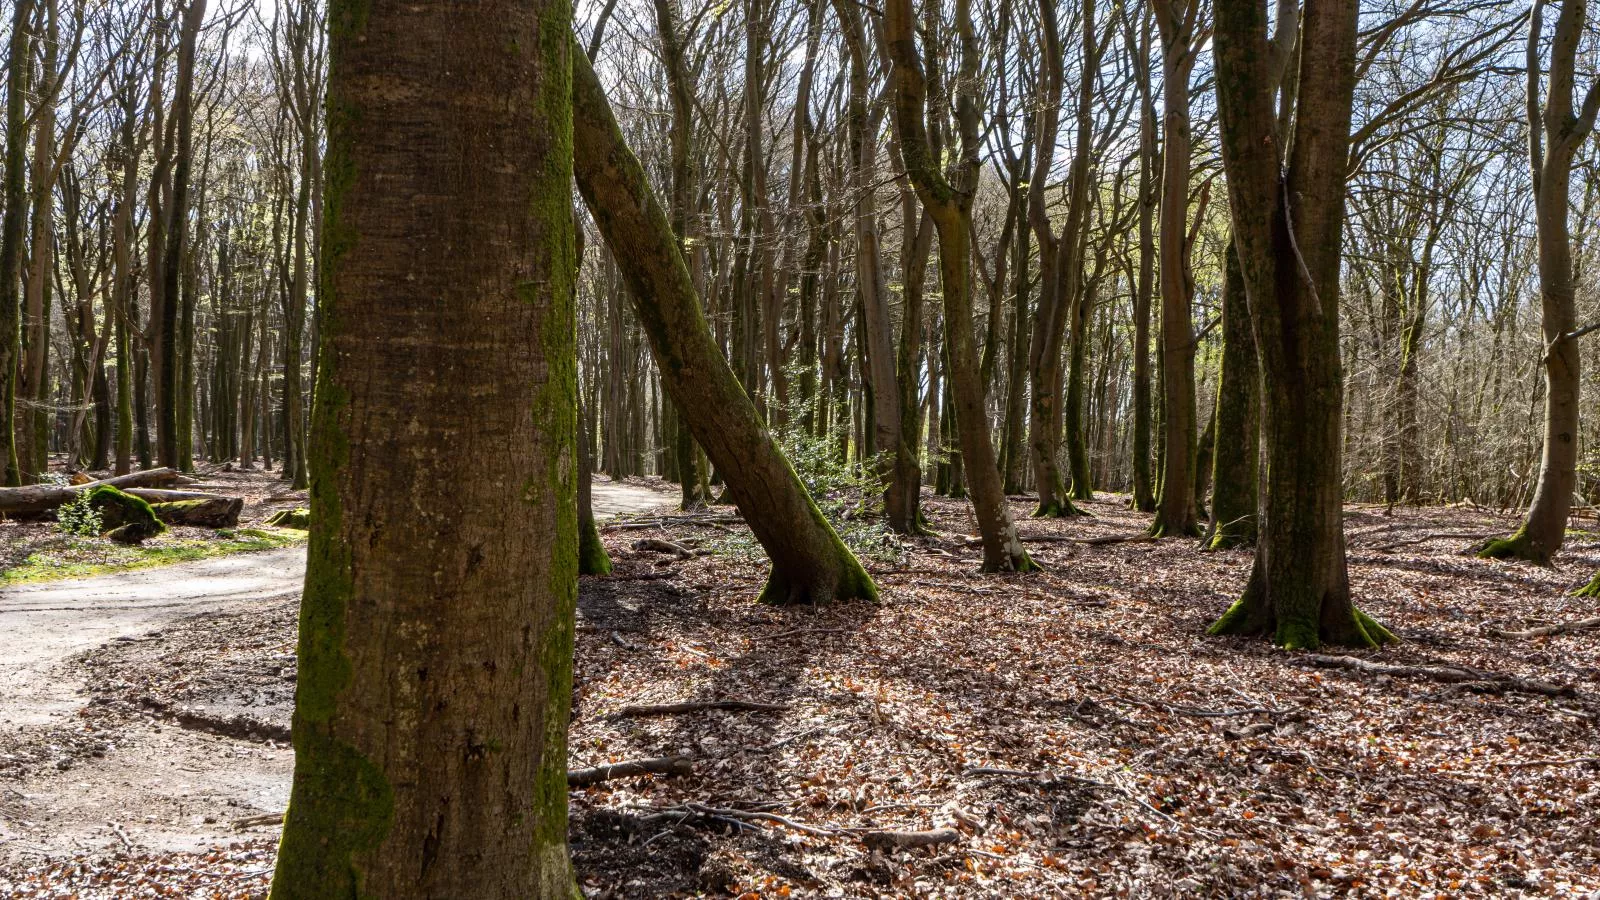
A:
1235	473
1563	130
951	208
18	67
1176	512
416	774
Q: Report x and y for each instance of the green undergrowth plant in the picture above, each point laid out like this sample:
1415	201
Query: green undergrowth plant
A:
849	493
79	516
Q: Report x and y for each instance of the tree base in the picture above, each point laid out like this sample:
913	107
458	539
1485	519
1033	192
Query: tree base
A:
1059	509
1159	529
852	583
1018	564
1592	589
1228	539
1251	615
592	556
1519	546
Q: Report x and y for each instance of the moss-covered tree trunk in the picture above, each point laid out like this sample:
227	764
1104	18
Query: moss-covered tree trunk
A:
18	68
810	564
1287	229
1552	149
436	628
1236	461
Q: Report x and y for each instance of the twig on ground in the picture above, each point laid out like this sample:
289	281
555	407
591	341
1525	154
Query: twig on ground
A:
693	706
1539	763
665	765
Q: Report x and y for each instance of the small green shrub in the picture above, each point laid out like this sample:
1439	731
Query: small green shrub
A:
80	517
850	495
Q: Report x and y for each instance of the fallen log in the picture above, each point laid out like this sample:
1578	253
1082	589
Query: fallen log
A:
203	510
666	765
34	499
887	840
1486	681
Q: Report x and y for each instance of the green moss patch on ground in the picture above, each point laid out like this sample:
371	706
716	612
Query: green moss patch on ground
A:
67	556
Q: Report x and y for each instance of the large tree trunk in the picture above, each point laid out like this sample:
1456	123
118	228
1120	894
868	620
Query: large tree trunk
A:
1545	528
1288	235
169	387
436	629
810	564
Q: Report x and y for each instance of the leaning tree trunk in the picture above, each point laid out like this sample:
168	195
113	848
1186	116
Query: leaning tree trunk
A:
810	564
436	628
1287	229
1545	528
1235	465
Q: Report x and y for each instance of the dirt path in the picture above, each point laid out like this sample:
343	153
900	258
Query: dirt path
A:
68	786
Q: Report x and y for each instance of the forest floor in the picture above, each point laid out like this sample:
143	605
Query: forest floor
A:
1068	733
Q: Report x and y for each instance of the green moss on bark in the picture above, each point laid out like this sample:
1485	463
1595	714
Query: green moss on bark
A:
592	556
1519	546
126	519
1062	508
291	518
1592	589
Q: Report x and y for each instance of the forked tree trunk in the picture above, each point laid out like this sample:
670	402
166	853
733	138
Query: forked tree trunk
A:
951	209
1288	231
810	564
437	623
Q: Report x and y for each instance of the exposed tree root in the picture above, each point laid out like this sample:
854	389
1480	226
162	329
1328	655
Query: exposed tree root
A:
1559	628
1059	509
1253	615
1486	682
1592	589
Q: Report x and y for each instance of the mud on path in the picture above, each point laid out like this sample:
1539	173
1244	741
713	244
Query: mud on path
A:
147	711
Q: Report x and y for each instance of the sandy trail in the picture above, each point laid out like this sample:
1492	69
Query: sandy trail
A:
159	787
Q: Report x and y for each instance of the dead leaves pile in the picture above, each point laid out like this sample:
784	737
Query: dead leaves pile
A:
1074	732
